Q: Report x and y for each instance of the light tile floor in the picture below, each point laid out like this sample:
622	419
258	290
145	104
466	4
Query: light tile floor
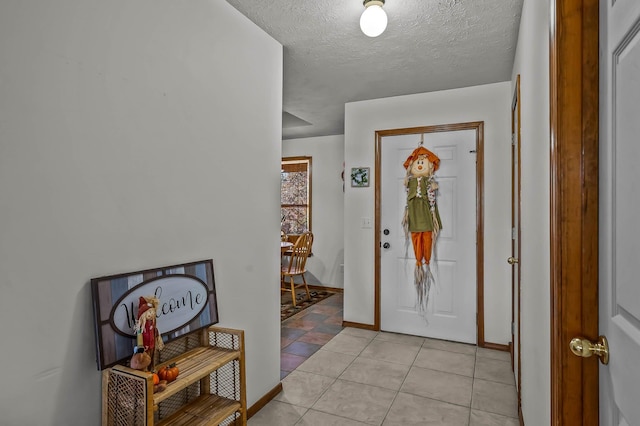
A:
362	377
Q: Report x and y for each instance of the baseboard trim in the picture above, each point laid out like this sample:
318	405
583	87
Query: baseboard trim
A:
264	400
496	346
321	287
359	325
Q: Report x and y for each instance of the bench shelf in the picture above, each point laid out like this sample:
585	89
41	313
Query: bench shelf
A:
210	389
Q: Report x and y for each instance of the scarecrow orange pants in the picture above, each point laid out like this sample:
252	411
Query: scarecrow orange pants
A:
422	246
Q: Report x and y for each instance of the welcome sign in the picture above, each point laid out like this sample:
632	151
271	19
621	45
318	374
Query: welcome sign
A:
187	303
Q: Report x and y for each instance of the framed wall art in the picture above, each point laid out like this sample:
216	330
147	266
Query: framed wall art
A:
187	303
360	177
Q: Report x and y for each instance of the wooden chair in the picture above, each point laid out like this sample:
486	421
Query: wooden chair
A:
296	266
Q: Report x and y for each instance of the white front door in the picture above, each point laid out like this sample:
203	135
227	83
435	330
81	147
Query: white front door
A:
451	314
619	282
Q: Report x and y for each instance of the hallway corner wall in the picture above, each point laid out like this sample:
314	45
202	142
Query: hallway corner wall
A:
532	63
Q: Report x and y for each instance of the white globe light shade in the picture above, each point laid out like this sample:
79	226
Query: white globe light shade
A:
373	21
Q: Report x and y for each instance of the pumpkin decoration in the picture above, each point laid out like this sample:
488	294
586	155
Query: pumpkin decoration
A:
156	379
169	373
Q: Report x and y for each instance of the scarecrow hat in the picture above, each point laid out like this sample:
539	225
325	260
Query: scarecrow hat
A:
421	150
144	306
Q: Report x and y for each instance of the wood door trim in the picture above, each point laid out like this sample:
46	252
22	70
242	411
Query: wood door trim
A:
574	207
478	126
516	192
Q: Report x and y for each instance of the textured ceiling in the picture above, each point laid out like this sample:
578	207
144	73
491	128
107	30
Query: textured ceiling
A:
428	45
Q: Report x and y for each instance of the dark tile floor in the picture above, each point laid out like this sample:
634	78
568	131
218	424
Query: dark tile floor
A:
307	331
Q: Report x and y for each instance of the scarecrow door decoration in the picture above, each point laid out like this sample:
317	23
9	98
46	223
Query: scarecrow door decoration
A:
421	218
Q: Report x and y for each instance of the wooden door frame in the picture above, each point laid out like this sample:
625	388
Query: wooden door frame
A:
516	195
478	126
574	92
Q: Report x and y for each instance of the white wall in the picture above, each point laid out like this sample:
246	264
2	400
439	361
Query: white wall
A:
324	268
488	103
130	132
532	63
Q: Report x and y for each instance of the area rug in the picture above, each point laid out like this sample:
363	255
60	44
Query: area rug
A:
286	307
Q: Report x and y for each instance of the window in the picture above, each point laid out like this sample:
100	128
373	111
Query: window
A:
295	195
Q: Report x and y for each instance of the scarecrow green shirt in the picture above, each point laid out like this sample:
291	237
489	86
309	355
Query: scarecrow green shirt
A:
419	210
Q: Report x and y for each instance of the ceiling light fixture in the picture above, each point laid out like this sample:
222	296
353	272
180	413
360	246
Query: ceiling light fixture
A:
373	21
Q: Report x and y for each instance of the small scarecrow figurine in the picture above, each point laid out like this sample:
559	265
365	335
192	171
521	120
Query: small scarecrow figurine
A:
148	337
421	217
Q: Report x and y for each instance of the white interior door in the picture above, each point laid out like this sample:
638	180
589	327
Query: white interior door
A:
619	285
451	314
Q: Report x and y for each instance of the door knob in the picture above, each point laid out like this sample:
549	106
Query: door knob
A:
386	245
585	348
512	260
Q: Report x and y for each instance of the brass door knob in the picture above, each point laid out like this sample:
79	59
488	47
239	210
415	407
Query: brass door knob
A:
512	260
585	348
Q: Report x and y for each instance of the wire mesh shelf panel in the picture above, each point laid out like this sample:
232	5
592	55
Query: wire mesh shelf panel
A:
127	400
179	346
170	405
225	381
225	340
